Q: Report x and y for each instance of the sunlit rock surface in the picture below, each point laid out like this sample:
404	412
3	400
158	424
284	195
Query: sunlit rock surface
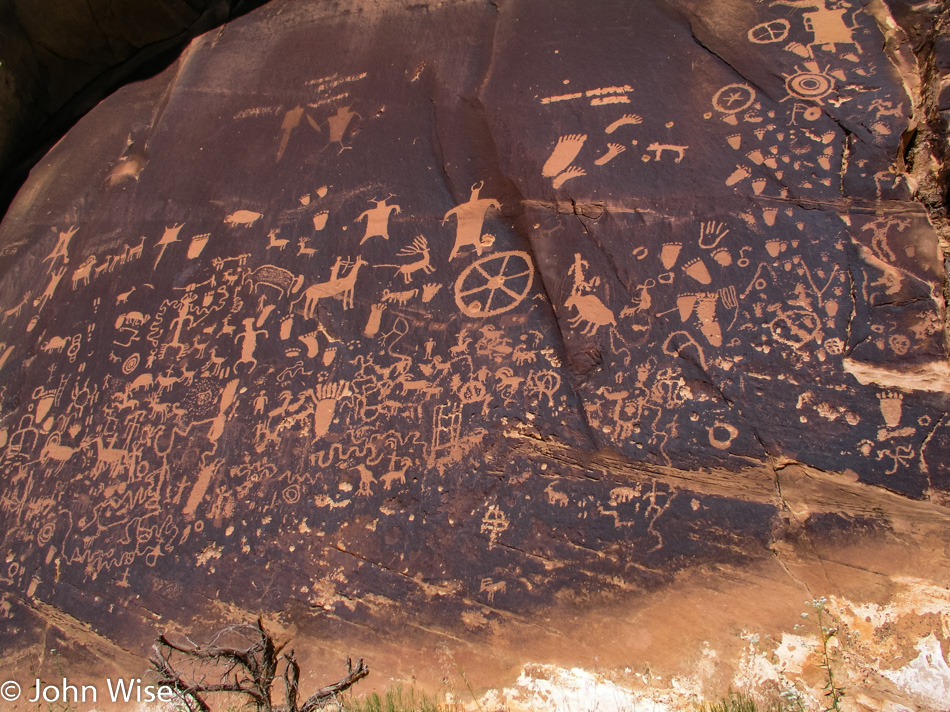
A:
479	326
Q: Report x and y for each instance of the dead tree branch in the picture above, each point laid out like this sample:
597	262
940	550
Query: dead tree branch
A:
197	671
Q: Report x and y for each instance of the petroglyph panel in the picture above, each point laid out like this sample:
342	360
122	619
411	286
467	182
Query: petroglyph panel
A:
480	326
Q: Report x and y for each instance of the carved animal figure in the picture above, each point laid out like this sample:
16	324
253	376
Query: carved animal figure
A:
134	252
54	280
419	246
272	240
112	458
54	451
394	475
158	408
142	381
15	311
400	298
166	382
507	380
491	588
658	148
521	355
82	273
134	318
124	297
277	278
215	364
462	346
543	383
590	310
304	251
55	345
331	288
243	217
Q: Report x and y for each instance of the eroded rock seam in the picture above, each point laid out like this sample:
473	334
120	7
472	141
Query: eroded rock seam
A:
926	149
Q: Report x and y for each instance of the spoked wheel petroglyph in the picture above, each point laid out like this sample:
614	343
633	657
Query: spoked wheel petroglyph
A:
494	284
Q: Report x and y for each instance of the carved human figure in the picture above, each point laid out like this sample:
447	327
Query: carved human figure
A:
60	250
470	217
377	219
248	340
54	280
338	124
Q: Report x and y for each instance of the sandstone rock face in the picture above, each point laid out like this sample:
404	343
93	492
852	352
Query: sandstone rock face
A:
470	326
58	58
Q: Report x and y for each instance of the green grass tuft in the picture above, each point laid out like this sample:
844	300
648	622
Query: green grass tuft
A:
737	702
394	699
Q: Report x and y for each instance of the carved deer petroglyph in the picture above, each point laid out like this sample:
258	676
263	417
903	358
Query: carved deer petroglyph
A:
419	246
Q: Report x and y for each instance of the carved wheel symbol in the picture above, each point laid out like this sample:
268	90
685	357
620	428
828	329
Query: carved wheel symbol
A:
494	284
809	85
733	98
768	32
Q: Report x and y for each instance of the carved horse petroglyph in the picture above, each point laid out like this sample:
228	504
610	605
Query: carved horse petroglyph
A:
331	288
